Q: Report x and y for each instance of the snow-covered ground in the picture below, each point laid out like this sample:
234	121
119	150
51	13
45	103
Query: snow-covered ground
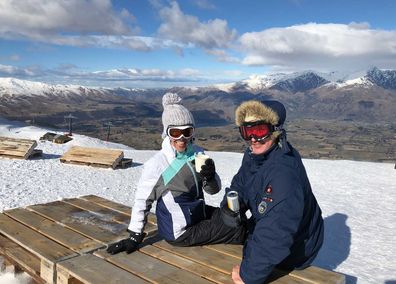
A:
357	198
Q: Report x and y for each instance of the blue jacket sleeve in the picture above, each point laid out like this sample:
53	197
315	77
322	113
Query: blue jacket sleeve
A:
274	231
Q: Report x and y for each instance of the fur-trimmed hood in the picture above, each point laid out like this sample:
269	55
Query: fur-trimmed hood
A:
272	112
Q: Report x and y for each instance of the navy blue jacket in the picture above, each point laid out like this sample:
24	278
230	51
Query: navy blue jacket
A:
286	224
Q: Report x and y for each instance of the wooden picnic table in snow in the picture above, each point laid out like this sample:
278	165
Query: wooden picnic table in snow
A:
65	241
18	148
97	157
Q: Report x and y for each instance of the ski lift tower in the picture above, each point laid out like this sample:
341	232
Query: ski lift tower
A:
69	119
109	124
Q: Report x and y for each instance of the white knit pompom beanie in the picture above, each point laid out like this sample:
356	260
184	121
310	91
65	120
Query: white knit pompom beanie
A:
174	113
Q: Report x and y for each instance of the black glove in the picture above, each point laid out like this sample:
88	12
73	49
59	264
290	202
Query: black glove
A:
208	171
129	245
229	217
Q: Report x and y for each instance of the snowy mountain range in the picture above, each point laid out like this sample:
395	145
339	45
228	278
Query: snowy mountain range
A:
293	82
370	97
308	80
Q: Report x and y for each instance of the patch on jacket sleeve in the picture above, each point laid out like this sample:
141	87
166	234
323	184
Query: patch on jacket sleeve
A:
263	205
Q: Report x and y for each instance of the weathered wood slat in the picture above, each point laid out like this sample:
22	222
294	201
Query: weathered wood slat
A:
54	231
93	156
151	269
47	250
319	275
90	269
188	265
108	203
33	241
116	206
103	211
202	255
94	226
93	207
16	148
232	250
287	279
26	260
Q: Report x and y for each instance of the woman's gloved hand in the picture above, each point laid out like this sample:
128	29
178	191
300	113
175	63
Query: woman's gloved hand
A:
128	245
208	171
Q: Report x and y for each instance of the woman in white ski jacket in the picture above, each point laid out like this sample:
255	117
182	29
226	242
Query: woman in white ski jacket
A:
170	178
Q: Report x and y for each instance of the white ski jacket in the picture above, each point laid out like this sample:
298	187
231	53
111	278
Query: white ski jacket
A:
170	179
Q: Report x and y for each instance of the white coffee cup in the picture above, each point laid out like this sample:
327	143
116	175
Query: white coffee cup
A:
200	159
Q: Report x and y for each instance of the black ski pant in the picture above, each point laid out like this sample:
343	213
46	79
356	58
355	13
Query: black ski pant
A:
211	231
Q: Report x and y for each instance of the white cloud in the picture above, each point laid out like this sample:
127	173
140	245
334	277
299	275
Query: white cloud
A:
72	22
54	16
188	29
70	73
13	71
222	56
320	46
204	4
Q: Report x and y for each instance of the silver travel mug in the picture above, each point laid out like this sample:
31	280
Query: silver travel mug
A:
232	201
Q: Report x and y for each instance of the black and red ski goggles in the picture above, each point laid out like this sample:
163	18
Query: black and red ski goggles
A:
258	130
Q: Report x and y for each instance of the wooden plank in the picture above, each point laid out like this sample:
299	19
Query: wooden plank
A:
311	274
16	148
315	274
54	231
94	226
202	255
24	259
33	241
232	250
93	156
108	203
108	213
188	265
47	250
116	206
93	207
286	279
90	269
151	269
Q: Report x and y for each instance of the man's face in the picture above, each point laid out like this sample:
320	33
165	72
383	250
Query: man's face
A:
260	147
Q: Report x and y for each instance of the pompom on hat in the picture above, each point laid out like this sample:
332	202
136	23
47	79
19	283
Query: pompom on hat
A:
174	113
272	112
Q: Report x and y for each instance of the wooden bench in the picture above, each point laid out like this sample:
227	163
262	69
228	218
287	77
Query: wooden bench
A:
18	148
65	242
96	157
56	138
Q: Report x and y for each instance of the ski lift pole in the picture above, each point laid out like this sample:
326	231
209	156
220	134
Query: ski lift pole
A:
70	120
108	130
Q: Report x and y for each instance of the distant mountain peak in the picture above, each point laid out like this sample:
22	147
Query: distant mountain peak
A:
300	83
15	87
385	79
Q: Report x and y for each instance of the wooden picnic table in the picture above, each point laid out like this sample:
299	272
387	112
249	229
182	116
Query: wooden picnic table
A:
17	148
65	241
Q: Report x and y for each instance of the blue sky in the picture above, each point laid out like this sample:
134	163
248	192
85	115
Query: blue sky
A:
158	43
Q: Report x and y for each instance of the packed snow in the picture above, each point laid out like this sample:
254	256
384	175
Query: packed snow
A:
357	198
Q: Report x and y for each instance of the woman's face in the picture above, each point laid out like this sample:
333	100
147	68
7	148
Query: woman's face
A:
180	144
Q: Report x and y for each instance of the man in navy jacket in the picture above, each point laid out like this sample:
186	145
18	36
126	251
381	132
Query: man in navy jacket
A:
286	226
